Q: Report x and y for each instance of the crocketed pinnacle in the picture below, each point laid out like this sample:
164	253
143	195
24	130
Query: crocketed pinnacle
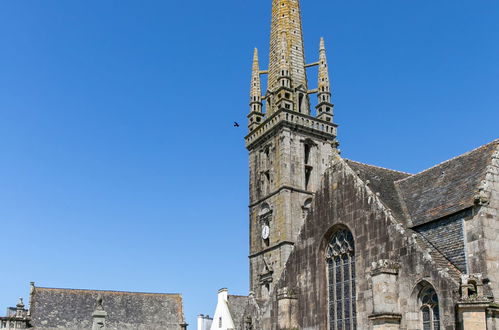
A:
286	25
324	85
256	90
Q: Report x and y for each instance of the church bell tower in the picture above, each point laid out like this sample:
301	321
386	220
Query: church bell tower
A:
289	145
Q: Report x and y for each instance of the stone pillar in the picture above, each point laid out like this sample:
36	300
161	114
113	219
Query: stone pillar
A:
472	315
493	317
288	310
386	314
472	308
99	316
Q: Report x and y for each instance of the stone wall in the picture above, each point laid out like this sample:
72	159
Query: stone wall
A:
281	202
482	231
345	201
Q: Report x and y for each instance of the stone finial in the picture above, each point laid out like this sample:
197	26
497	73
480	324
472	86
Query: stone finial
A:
99	315
20	308
99	303
20	303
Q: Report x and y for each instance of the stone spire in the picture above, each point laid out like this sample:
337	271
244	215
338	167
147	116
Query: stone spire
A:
286	25
324	106
255	116
288	148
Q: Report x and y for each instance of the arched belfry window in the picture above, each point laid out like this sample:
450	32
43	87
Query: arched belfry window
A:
340	256
430	314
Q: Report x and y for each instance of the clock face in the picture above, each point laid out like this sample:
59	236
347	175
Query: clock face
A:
265	232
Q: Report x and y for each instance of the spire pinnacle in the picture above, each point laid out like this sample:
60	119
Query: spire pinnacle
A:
324	106
256	90
255	116
256	65
323	69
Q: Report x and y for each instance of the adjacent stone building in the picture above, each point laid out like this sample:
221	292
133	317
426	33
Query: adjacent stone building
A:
72	309
338	244
16	317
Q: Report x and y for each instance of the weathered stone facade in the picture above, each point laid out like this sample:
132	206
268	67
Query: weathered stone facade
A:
288	148
355	246
394	260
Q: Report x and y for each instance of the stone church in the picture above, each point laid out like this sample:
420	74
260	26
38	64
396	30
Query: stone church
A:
334	243
338	244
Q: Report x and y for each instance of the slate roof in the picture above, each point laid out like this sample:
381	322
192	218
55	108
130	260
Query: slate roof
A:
445	188
439	258
382	181
237	306
72	309
433	194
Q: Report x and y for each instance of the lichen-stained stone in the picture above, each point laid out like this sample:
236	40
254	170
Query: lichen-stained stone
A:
345	200
400	246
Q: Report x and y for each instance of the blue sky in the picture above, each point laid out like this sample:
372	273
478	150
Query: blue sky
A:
120	168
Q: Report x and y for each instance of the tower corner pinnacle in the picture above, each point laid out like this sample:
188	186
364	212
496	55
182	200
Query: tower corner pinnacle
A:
324	106
255	116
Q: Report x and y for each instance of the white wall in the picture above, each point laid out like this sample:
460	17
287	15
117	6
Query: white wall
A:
204	322
222	320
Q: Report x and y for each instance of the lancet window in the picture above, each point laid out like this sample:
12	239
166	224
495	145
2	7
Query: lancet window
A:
430	313
340	257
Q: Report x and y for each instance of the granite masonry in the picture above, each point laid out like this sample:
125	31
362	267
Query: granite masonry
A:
339	244
334	243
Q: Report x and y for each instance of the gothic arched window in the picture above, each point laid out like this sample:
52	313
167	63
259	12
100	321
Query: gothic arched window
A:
340	256
430	314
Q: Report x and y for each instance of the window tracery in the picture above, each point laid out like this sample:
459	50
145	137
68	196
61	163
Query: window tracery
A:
430	312
340	256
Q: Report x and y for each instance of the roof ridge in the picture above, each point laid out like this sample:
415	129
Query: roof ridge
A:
109	291
450	160
383	168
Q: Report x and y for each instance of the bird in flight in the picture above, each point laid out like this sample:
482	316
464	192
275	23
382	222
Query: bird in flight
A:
236	124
